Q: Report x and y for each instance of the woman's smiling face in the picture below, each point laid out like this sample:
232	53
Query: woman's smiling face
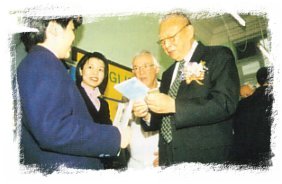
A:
93	72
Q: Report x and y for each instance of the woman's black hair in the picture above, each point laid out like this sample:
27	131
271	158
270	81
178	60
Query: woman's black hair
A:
81	64
40	23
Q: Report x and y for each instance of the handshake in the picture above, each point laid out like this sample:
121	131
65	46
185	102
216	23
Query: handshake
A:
155	102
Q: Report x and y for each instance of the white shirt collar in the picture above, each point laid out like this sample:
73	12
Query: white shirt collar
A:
93	95
187	58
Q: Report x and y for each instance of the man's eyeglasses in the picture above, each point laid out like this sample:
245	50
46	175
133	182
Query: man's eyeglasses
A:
144	67
171	38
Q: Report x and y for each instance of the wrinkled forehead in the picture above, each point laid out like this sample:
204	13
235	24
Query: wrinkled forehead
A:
143	59
173	21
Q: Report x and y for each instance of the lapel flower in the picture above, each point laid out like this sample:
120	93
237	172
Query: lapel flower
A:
194	71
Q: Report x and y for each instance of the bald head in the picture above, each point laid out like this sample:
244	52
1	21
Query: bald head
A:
176	35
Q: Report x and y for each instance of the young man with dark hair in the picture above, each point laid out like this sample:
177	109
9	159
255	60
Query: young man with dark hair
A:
57	128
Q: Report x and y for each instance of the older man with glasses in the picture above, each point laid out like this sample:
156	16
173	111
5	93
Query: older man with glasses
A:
199	93
143	146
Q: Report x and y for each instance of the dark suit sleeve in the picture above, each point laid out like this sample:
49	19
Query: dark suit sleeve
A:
56	115
221	96
154	122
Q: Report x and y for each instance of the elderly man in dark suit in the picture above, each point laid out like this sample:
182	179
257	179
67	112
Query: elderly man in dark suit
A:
198	95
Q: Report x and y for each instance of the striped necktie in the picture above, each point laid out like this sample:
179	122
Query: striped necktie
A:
166	122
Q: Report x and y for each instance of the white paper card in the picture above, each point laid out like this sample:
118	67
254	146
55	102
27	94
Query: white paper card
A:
123	114
132	89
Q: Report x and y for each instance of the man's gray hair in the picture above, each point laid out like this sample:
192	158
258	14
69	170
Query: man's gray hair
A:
179	13
146	52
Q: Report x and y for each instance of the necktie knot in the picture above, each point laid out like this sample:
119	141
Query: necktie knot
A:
181	64
175	85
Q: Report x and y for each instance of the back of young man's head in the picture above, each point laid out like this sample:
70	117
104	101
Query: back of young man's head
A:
30	39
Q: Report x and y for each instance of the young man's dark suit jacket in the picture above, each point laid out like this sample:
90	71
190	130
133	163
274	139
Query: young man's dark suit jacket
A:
56	126
202	124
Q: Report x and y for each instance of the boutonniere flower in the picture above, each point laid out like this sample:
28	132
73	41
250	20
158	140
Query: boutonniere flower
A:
194	71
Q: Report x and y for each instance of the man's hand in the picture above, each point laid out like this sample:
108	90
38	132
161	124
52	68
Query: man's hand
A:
125	136
160	103
140	108
156	160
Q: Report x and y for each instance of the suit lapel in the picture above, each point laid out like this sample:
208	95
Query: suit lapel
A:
198	54
196	57
166	80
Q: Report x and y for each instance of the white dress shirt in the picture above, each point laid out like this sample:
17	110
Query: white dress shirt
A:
142	145
93	94
187	58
